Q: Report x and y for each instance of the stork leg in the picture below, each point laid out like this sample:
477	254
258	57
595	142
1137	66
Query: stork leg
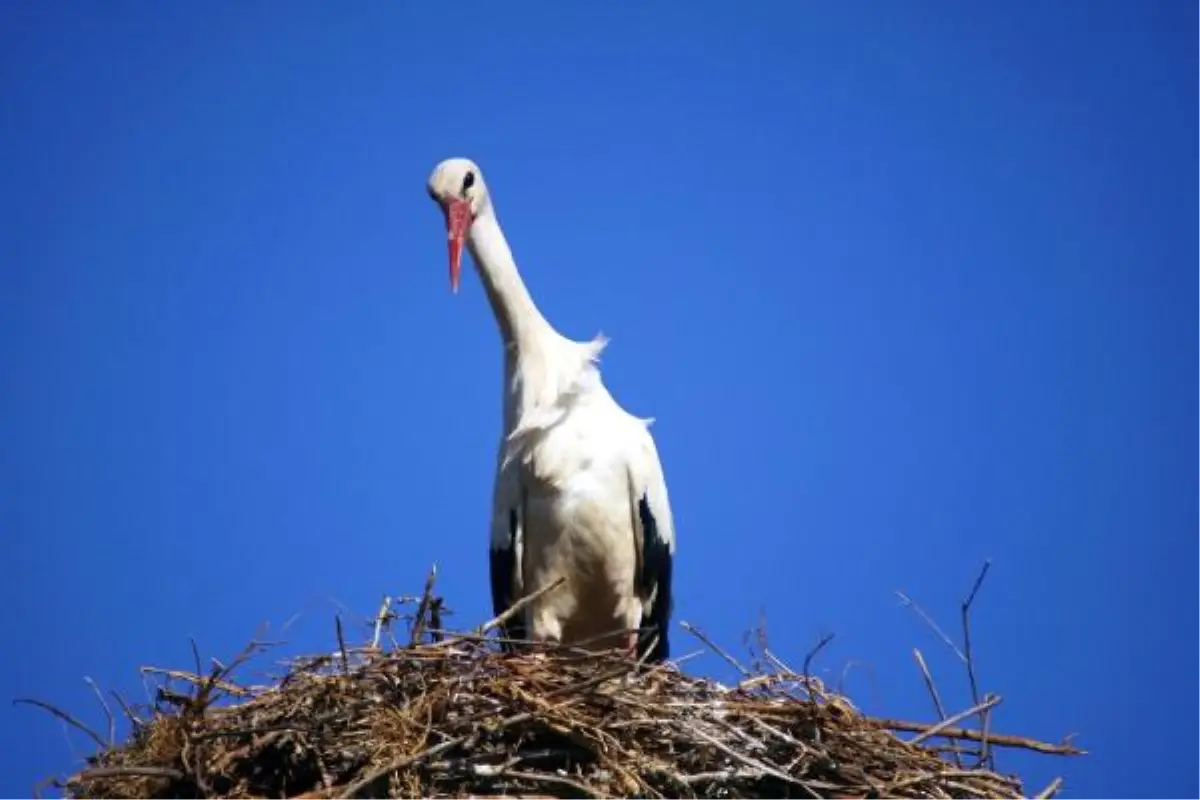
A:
630	617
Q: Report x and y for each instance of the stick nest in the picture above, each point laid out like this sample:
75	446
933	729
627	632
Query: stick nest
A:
447	715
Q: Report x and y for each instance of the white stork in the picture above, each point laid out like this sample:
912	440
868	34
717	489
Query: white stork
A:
579	491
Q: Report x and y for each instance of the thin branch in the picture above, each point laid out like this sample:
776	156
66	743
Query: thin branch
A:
435	618
821	644
997	739
649	651
42	786
966	656
929	684
134	719
1050	791
382	617
933	693
64	716
512	611
987	758
908	602
218	677
978	583
196	655
341	639
694	631
966	628
518	607
100	773
419	618
112	721
934	730
196	680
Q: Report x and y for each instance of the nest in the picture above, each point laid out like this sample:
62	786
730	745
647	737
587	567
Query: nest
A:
449	715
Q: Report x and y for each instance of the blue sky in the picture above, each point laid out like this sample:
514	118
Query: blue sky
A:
906	286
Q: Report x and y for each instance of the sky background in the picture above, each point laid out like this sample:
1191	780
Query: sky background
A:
907	286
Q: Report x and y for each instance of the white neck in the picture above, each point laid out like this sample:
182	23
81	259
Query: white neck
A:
521	324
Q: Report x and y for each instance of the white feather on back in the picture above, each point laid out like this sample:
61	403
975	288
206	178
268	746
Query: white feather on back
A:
569	434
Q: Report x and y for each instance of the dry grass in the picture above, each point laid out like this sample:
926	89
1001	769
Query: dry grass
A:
446	715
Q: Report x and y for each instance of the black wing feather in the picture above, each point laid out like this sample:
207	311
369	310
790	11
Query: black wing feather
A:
655	576
502	579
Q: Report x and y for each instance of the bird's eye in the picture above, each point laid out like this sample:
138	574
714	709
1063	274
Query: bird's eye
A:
468	181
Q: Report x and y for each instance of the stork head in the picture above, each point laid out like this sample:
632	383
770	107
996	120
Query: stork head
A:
456	185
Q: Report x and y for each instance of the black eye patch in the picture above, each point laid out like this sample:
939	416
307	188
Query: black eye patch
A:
468	181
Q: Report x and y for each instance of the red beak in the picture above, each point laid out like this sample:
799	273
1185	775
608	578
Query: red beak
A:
458	221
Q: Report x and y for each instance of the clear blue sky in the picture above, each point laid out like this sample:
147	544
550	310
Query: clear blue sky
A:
906	285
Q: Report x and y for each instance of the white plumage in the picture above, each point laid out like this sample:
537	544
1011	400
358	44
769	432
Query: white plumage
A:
579	490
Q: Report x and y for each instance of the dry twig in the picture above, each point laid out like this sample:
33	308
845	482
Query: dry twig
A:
985	715
966	656
423	608
933	693
112	721
382	618
997	739
64	716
